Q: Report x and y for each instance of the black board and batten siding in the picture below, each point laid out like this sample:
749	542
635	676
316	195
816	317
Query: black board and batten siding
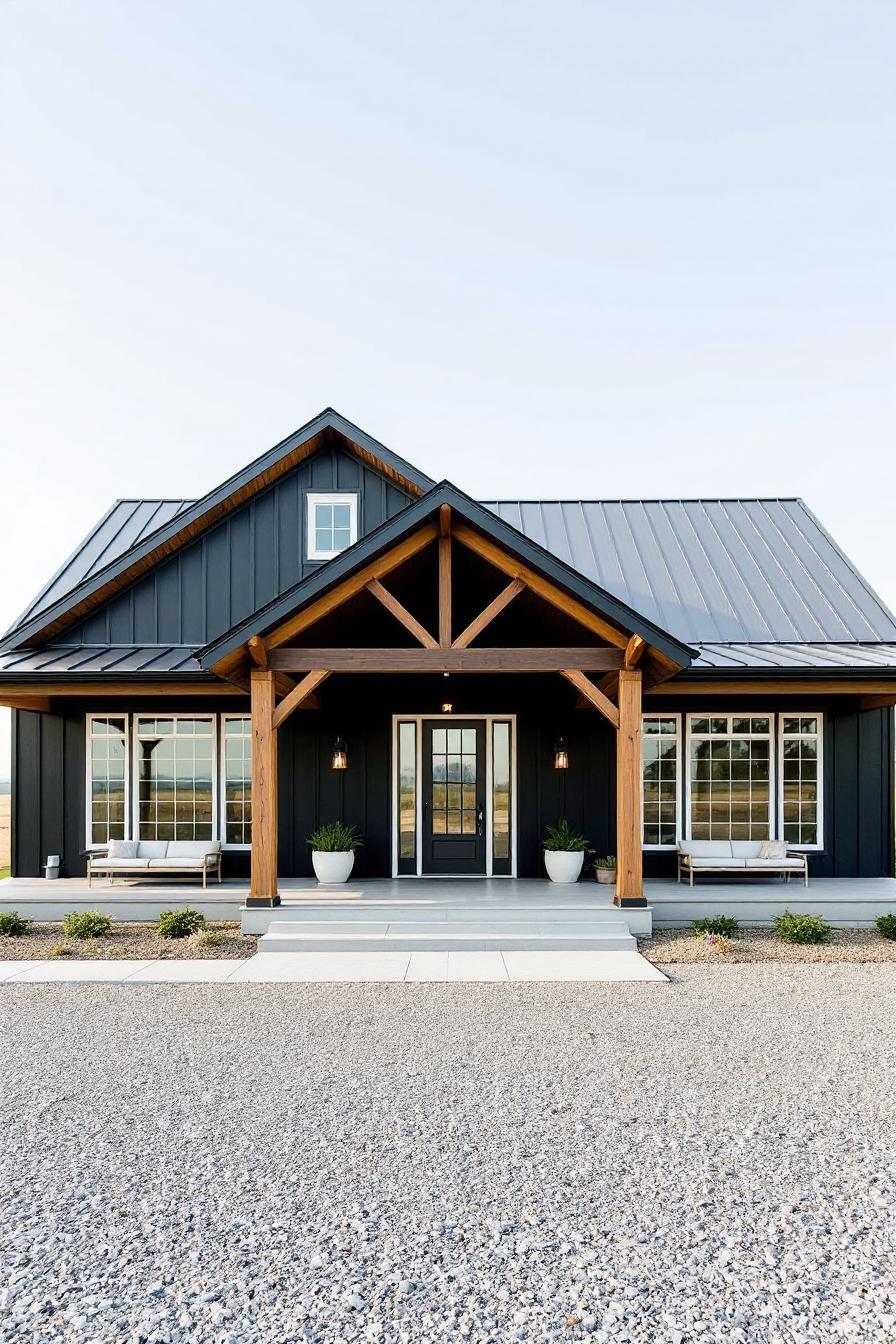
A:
250	557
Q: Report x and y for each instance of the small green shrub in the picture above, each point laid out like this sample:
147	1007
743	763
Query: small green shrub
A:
562	837
726	926
608	862
205	938
334	837
12	925
84	924
886	926
802	928
60	950
179	923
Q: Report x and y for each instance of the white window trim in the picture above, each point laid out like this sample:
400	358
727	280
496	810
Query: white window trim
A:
135	763
819	806
315	497
90	843
489	720
772	758
222	782
664	849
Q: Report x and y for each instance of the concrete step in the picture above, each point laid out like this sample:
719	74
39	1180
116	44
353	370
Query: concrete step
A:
447	935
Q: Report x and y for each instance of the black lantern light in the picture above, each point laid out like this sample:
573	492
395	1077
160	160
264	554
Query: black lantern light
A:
340	754
561	754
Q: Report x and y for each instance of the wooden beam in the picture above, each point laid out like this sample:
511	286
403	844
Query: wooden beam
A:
878	701
182	689
376	569
776	686
257	651
401	613
633	650
39	704
445	624
629	857
445	660
297	695
263	879
512	566
486	616
592	694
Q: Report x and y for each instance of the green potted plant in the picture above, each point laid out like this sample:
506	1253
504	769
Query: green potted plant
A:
564	852
333	848
605	869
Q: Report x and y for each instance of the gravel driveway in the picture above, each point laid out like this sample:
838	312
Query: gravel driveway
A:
711	1160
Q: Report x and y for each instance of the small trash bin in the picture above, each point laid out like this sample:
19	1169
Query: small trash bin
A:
51	869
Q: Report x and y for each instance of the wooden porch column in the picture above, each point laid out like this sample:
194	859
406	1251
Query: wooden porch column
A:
629	866
263	883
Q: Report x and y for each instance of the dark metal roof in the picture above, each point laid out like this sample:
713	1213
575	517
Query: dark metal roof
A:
777	657
123	526
109	564
626	617
96	660
713	570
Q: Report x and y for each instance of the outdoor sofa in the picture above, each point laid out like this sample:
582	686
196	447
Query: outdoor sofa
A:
156	858
734	857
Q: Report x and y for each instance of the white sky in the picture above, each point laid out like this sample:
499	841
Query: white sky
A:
585	249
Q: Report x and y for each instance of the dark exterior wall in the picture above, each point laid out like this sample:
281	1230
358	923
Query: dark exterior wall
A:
49	774
251	557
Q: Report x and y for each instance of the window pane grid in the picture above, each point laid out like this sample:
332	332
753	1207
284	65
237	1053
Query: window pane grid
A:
454	781
175	784
108	761
730	777
659	760
800	812
238	781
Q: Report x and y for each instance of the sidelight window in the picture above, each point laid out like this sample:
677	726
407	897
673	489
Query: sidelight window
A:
107	784
407	791
501	796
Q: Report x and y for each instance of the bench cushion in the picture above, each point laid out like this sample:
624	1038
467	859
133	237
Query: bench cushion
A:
118	865
718	861
747	849
706	849
192	848
122	849
176	865
152	849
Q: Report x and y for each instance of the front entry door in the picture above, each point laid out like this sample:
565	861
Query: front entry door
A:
453	796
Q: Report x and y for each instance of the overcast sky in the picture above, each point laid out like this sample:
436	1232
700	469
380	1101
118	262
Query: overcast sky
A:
570	249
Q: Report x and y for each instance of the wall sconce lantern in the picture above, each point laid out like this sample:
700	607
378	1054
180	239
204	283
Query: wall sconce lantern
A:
447	707
340	754
561	754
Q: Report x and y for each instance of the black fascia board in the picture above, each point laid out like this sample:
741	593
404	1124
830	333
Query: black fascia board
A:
389	532
327	419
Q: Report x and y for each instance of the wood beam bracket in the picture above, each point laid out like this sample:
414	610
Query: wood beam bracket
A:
296	696
594	697
401	614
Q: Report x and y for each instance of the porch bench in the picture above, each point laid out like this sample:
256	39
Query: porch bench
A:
735	857
156	858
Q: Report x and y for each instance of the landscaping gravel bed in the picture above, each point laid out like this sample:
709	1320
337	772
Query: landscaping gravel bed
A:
139	941
671	947
706	1160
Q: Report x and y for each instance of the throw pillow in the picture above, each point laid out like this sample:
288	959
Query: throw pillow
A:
773	849
122	849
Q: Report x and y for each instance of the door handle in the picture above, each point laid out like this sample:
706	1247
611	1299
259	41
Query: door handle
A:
479	822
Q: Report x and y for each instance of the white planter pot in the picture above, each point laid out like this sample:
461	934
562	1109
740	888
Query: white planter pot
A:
331	868
564	865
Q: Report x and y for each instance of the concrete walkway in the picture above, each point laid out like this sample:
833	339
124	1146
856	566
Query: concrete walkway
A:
338	967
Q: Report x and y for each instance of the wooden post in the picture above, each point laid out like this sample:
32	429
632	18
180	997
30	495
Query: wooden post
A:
263	884
629	865
445	624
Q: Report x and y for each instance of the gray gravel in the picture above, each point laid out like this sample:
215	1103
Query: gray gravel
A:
711	1160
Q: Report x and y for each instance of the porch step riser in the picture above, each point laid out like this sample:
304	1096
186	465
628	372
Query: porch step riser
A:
436	942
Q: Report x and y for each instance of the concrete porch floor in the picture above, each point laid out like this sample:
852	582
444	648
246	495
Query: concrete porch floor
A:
845	902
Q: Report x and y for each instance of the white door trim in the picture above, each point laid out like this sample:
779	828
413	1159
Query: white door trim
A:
489	720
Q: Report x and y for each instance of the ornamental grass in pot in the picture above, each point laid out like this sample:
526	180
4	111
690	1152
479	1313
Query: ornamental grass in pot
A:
564	852
605	869
333	848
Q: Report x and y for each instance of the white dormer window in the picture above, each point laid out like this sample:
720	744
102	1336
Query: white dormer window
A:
331	524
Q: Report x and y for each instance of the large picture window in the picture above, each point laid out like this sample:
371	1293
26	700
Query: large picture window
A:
107	784
236	735
730	777
660	751
175	769
801	780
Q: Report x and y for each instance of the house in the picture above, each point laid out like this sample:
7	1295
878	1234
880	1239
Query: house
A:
332	634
